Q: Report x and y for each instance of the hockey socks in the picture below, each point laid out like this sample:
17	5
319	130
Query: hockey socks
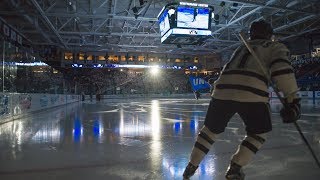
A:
249	146
202	145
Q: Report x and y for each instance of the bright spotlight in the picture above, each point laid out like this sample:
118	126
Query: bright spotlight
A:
171	12
154	70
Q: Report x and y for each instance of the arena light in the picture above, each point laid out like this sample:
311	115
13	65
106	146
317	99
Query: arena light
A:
171	11
30	64
154	70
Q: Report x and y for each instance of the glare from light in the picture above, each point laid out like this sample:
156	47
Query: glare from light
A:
154	70
155	119
171	11
156	145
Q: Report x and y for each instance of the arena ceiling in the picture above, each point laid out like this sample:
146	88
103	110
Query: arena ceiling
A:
111	25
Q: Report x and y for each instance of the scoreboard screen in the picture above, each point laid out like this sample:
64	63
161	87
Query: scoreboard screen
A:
193	17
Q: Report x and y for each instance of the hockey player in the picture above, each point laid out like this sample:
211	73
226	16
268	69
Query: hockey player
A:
197	94
242	88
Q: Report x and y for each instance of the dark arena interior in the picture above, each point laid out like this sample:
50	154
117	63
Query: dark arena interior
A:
120	89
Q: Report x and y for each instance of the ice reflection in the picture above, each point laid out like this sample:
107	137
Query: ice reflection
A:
156	145
134	127
174	166
177	128
77	130
194	123
98	128
155	119
48	134
18	130
13	133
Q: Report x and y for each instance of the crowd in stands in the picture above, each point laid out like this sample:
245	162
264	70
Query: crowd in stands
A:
40	80
124	81
128	81
307	71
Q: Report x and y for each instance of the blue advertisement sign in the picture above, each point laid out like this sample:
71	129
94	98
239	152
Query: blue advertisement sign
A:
198	83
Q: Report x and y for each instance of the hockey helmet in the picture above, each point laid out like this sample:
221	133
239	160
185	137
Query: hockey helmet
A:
260	30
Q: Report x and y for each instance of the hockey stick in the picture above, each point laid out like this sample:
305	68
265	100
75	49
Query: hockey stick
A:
278	94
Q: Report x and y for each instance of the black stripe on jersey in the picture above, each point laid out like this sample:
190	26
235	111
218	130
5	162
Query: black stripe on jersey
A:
247	73
204	136
201	147
258	138
244	88
250	146
279	61
281	72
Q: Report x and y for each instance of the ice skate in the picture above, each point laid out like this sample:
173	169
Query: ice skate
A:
189	171
234	172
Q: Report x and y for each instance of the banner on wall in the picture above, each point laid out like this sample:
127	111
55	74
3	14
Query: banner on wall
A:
10	33
317	94
13	35
198	83
5	30
19	39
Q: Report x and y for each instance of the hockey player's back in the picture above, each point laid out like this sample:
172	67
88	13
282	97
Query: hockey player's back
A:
242	80
243	88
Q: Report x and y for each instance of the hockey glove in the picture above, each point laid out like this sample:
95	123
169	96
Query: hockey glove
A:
291	111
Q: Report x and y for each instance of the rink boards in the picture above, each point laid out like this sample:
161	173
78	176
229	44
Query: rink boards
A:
15	105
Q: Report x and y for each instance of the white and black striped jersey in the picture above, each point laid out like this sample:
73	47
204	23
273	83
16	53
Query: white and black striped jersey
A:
243	80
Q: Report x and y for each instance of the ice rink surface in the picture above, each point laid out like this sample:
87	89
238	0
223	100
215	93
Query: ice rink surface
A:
147	139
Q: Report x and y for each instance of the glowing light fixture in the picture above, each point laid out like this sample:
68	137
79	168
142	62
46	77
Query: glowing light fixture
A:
171	11
154	70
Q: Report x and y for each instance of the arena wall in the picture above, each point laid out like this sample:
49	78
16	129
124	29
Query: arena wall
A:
16	105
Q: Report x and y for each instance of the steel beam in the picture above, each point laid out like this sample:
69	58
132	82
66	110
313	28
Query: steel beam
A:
51	6
243	16
20	33
281	28
256	3
100	16
65	24
303	32
38	7
102	4
294	23
108	34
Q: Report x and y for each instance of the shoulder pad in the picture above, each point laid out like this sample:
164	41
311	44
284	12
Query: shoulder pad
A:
279	46
280	51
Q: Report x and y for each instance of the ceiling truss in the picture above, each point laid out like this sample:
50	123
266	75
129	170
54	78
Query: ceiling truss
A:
111	25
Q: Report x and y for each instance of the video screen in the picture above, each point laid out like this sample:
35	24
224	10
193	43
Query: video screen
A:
164	23
189	17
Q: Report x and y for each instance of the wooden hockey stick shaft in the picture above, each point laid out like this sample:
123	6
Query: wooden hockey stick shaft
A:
278	94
